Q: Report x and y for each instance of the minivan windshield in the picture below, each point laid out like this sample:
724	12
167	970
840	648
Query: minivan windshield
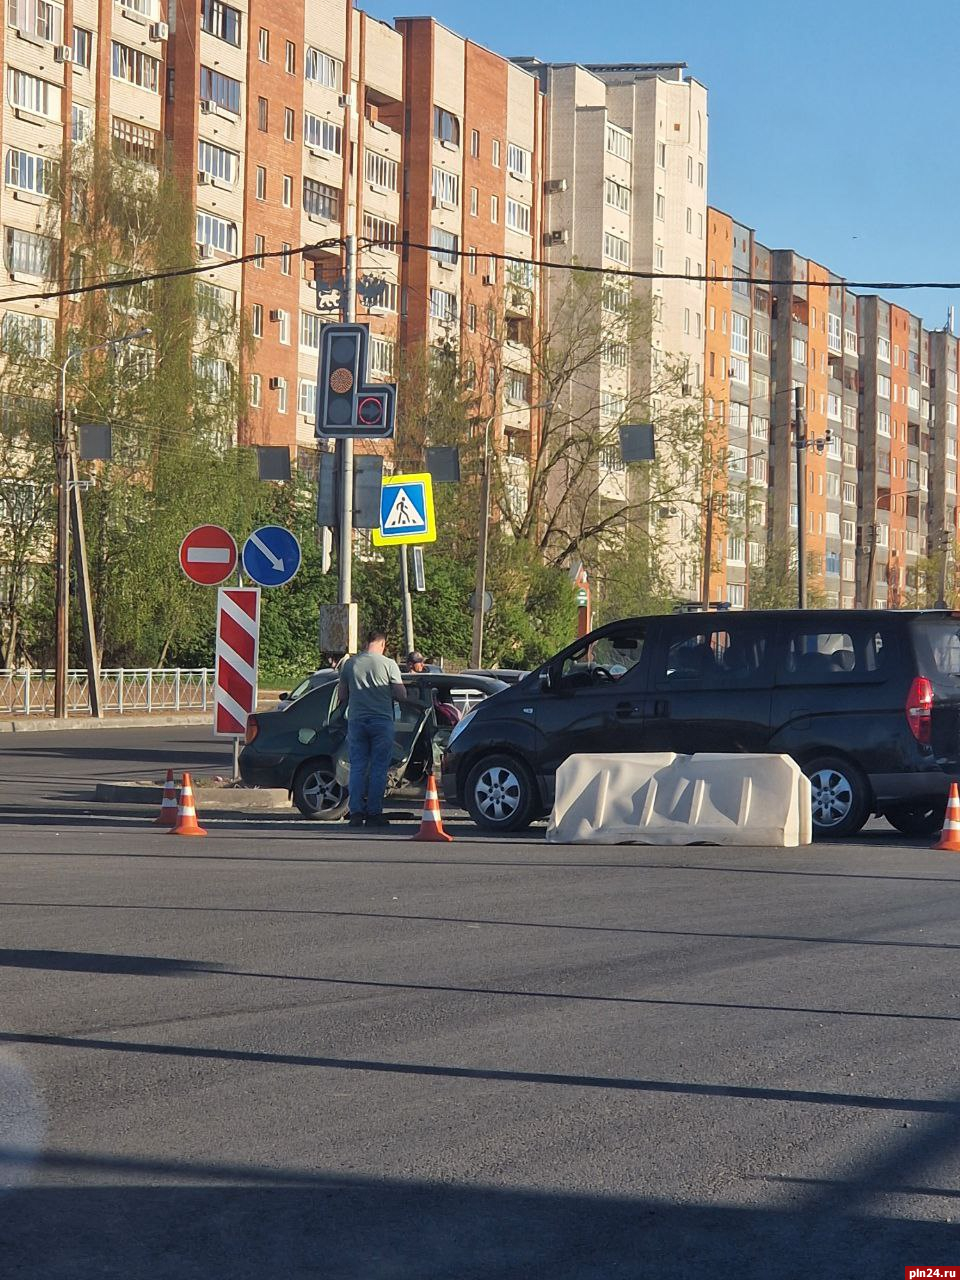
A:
937	642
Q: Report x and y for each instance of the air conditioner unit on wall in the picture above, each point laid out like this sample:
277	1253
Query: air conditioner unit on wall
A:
203	178
275	316
556	237
206	106
63	53
275	384
205	251
159	31
554	186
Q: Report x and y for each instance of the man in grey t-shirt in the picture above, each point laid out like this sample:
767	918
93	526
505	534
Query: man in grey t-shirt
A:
369	685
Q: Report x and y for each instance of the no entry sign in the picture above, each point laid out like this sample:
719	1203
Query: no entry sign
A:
208	555
238	640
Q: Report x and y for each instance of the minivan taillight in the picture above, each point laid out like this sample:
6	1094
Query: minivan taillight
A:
253	728
920	709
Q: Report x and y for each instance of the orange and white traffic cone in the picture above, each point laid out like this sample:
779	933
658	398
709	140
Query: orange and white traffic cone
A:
167	817
431	824
950	835
187	824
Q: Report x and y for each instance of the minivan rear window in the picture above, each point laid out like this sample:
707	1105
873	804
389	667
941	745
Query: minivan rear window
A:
835	657
937	644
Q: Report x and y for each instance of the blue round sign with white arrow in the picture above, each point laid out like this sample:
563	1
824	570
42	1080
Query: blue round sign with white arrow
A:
271	556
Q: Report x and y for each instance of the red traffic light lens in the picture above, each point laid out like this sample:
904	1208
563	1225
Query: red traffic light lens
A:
370	411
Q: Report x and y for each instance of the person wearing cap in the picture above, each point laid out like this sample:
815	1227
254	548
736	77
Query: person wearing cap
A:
417	663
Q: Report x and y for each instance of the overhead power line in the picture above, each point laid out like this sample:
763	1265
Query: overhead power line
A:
129	282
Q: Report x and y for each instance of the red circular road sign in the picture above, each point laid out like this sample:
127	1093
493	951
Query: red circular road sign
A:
208	555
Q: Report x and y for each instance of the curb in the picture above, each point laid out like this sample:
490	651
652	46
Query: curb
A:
41	725
207	799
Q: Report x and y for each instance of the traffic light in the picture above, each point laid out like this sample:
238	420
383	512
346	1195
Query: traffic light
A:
346	405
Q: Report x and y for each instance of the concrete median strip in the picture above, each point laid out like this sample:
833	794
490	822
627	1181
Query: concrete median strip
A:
666	799
207	799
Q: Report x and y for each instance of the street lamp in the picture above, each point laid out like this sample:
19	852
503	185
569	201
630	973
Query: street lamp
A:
61	454
480	590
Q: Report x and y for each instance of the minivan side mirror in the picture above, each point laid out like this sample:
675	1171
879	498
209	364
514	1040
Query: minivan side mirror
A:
547	680
284	697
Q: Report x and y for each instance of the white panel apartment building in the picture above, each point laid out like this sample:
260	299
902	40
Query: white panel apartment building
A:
627	185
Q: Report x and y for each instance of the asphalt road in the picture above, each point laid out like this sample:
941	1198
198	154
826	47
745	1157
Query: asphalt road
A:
286	1051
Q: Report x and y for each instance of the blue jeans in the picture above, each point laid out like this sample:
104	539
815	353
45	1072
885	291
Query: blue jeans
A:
370	744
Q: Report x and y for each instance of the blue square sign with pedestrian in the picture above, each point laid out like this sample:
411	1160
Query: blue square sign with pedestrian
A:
406	511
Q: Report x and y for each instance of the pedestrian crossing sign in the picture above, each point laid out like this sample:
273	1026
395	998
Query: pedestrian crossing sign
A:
406	511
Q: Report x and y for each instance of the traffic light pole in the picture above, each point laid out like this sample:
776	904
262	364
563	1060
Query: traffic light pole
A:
345	447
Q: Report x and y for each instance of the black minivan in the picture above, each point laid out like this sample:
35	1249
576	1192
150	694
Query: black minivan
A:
867	703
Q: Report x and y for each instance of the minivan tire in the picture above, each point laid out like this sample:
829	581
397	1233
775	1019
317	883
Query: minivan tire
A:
916	819
317	780
501	783
841	796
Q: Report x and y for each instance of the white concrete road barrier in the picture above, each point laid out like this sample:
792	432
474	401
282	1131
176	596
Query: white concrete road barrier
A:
662	798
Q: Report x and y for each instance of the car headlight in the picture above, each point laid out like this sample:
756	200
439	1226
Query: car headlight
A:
460	726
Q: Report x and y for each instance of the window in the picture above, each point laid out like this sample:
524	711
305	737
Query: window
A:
614	354
951	379
518	160
220	20
951	415
443	306
758	470
321	69
739	335
658	257
661	155
321	200
27	253
616	195
798	349
136	141
761	342
616	248
833	558
760	427
518	216
82	47
283	327
883	386
472	317
445	245
860	653
256	319
379	171
381	357
446	187
28	172
215	374
883	423
475	143
290	61
263	115
289	124
850	417
686	319
833	406
28	93
700	173
307	398
81	122
612	406
286	259
37	18
281	395
22	335
287	191
135	67
256	384
263	45
849	531
259	246
701	655
310	327
619	142
611	459
261	182
322	135
834	334
494	209
618	652
739	369
216	232
616	298
850	493
474	201
833	486
518	386
217	162
659	205
913	397
446	126
883	349
736	549
219	89
380	230
495	153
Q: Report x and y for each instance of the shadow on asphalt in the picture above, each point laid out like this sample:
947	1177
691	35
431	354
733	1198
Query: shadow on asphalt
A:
101	962
251	1222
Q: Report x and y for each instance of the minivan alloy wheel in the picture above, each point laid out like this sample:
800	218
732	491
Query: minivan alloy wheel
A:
840	796
832	797
500	793
497	792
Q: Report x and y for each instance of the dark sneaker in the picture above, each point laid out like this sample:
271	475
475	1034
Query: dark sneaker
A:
377	820
356	819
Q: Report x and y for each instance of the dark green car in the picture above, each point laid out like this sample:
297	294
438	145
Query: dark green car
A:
302	745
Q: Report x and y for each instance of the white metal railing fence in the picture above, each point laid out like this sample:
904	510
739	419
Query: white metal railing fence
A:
123	690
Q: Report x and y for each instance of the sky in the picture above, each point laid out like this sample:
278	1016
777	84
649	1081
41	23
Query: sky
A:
833	126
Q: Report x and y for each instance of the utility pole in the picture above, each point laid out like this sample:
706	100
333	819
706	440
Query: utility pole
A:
345	450
406	600
873	529
800	444
943	541
83	585
708	549
62	624
480	589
